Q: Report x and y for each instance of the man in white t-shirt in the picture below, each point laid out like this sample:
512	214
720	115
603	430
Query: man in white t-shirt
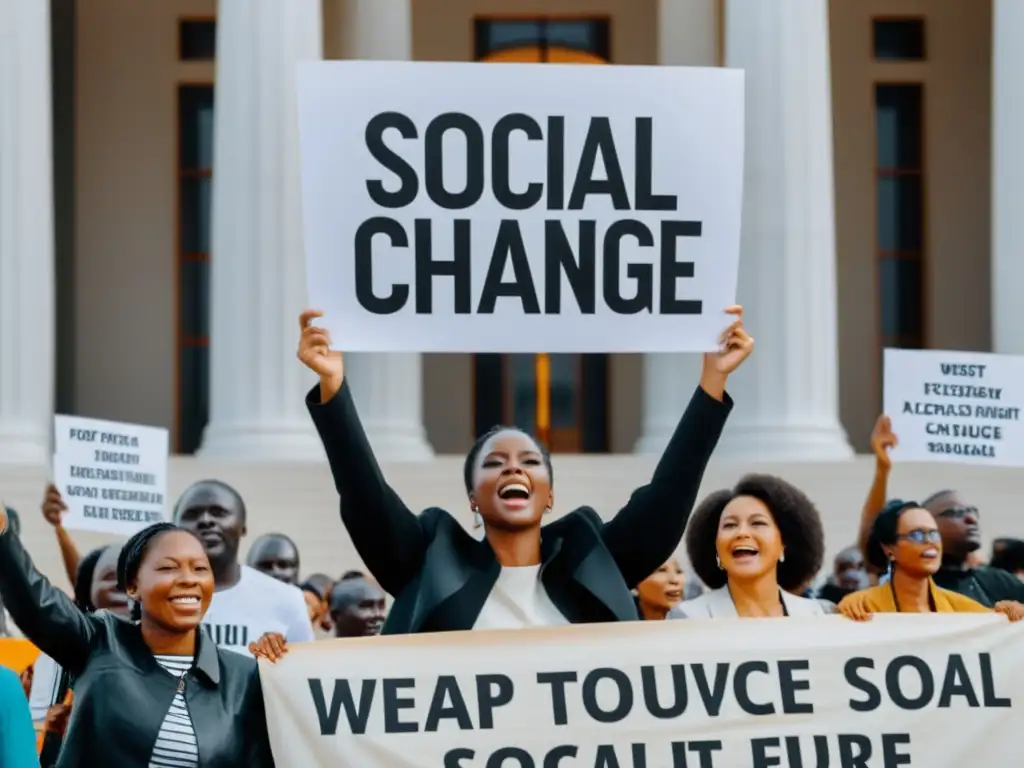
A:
246	603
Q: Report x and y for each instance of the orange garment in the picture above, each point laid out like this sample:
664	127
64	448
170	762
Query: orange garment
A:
880	599
17	654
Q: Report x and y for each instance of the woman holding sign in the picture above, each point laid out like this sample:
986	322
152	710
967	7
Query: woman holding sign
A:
576	570
905	539
153	691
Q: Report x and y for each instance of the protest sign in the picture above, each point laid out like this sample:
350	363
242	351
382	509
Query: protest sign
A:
113	476
456	207
940	691
955	406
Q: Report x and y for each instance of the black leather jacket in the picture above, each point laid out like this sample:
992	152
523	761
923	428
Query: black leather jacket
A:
121	693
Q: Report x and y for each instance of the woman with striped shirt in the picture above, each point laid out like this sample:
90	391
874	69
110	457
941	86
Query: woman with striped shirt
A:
152	691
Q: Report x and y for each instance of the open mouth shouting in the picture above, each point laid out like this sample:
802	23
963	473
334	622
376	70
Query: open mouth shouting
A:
931	553
515	495
744	552
186	604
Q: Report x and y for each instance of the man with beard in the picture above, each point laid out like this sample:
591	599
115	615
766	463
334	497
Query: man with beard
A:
357	608
246	603
959	525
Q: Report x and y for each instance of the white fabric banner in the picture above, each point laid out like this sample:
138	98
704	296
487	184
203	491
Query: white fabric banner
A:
466	207
938	691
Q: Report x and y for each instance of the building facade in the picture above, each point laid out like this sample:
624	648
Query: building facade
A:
151	262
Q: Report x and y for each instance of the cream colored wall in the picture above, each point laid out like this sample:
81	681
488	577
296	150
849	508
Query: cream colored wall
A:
126	101
957	124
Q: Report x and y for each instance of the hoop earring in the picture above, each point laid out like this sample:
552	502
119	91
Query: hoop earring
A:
478	520
718	560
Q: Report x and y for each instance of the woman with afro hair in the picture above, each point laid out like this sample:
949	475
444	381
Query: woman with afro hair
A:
752	546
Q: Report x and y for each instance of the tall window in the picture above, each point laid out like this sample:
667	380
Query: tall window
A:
900	189
195	187
574	387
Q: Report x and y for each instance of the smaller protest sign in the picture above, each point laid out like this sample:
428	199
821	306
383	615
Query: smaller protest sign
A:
113	476
955	406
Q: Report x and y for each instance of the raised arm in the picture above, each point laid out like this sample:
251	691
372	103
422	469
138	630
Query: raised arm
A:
42	612
54	510
646	531
882	440
386	534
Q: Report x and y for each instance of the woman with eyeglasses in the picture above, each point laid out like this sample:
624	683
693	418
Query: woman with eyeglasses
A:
905	540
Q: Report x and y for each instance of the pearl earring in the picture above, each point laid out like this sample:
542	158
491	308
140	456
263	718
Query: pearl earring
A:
718	560
782	557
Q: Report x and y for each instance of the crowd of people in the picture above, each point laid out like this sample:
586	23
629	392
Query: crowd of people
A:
156	644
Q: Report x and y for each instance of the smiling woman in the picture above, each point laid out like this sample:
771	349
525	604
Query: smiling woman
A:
577	569
752	545
906	539
133	678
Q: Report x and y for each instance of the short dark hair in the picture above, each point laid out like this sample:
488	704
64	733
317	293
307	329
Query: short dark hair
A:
884	531
83	579
216	484
350	575
933	498
470	464
1008	554
794	513
134	551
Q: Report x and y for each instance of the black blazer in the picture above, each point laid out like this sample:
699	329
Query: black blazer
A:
440	576
121	692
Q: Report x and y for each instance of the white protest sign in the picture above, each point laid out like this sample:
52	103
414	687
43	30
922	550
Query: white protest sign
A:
941	691
464	207
955	406
113	476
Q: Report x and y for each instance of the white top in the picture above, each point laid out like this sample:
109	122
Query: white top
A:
45	684
176	745
718	604
518	600
257	604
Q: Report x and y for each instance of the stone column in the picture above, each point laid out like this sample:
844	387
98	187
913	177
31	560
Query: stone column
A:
27	346
257	386
388	388
787	403
1007	177
687	36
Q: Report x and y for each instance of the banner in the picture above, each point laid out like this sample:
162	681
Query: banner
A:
460	207
955	406
938	691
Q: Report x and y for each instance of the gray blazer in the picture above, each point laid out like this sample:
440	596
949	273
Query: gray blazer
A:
717	604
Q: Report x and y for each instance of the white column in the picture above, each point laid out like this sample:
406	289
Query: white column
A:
687	36
786	395
258	262
1007	177
26	234
388	388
